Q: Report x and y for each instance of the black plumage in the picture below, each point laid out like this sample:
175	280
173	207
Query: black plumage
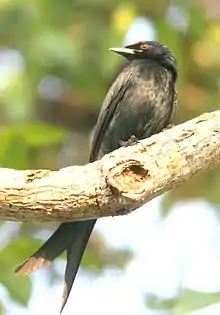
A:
140	103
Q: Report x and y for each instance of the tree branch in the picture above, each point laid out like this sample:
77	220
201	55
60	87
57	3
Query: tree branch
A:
118	183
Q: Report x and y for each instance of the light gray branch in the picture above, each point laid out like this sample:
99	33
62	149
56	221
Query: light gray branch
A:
118	183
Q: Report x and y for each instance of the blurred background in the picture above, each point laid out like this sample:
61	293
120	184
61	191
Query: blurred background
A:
55	69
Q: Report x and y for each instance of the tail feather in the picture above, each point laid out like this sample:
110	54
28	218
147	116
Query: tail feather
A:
30	265
72	237
52	248
74	255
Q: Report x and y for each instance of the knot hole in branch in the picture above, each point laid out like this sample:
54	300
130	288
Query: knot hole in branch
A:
128	177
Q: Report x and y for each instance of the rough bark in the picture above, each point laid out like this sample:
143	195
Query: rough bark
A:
118	183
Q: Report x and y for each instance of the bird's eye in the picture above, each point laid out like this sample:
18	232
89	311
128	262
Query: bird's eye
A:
145	46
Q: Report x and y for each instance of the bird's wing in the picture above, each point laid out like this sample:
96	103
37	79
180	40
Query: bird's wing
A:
112	99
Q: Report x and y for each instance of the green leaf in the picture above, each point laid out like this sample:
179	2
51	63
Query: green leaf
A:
18	250
155	303
1	308
187	301
16	142
19	288
13	151
193	300
39	134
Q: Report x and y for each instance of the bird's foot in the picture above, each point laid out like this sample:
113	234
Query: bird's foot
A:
133	140
168	127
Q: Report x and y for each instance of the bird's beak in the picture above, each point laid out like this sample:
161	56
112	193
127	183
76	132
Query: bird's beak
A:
123	51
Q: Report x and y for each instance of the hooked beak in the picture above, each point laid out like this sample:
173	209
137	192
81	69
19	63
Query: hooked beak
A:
123	51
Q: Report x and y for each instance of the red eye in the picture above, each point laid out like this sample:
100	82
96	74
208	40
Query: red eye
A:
144	46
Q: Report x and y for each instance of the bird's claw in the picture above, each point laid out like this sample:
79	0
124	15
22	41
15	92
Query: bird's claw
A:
133	140
168	127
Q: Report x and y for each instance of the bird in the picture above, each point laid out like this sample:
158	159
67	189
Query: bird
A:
140	102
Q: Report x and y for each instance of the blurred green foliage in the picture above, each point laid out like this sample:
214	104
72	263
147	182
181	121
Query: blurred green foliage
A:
8	279
55	68
187	301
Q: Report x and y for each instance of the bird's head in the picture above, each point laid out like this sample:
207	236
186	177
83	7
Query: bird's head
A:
150	50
